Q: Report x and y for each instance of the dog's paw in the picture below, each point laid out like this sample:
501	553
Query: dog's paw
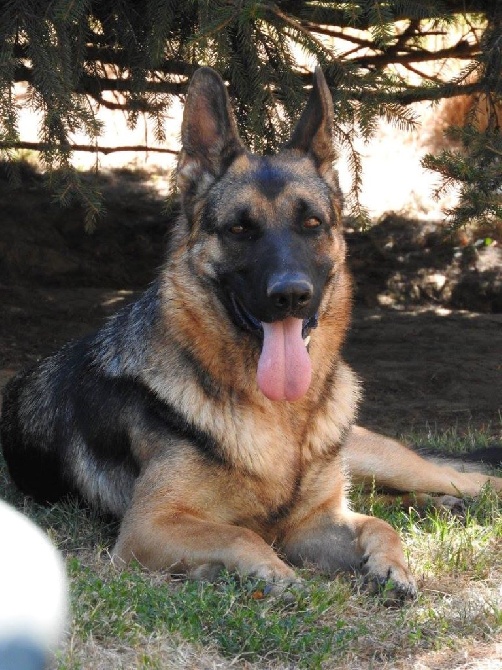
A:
389	578
273	573
285	592
276	572
451	504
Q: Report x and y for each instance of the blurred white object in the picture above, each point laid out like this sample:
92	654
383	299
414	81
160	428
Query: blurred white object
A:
33	594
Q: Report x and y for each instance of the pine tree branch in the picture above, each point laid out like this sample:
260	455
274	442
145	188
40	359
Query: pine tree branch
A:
493	150
107	56
429	10
408	95
420	94
95	85
40	146
424	76
462	51
337	34
297	25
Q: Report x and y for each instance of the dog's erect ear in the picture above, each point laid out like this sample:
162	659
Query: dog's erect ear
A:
209	136
313	134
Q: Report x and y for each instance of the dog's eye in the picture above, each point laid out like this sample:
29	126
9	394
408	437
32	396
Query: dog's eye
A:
312	222
237	229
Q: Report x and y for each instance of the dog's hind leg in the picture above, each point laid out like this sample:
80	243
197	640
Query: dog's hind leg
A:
371	457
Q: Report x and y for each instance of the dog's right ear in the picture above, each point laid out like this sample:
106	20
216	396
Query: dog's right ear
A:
209	136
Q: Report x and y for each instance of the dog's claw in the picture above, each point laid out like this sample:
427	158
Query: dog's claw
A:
393	583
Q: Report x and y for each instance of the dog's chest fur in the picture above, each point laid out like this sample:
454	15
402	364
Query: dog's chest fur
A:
254	435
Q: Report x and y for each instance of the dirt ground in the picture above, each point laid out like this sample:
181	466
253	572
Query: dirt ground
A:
424	362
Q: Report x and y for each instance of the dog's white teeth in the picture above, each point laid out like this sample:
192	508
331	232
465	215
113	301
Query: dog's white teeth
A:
306	341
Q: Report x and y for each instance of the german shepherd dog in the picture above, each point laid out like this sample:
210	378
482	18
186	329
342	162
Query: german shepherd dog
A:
214	415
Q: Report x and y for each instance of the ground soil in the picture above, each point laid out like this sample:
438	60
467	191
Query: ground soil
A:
426	337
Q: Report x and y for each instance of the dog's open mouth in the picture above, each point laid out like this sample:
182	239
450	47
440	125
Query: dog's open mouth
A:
284	369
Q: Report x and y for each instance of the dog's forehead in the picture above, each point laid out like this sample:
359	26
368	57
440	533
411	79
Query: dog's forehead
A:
273	181
278	170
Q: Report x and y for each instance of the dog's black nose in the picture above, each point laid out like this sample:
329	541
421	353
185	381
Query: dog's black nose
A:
289	292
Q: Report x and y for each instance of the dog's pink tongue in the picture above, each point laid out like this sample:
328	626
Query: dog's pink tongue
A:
284	369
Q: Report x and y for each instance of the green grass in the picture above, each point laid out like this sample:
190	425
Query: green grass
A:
130	605
135	619
451	441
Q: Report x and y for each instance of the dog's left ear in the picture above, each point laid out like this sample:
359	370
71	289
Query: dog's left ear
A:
313	134
210	140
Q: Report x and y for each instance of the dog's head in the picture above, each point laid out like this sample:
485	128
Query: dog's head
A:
273	223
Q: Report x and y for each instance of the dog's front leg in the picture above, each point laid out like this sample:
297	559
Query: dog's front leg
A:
182	543
183	519
345	540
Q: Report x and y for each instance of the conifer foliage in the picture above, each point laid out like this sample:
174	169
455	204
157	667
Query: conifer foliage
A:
137	55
